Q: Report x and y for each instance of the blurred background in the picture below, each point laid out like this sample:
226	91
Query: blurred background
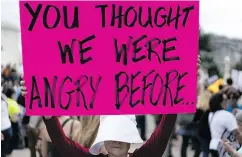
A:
220	48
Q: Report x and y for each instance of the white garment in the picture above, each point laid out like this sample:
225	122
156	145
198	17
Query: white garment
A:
219	122
120	128
5	121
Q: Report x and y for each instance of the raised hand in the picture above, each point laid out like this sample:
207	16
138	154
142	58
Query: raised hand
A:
23	88
198	66
228	147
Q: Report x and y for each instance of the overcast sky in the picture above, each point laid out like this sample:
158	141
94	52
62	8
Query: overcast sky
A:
222	17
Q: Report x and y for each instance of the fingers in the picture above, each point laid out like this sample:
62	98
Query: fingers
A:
198	67
23	93
199	59
23	88
226	143
22	83
224	140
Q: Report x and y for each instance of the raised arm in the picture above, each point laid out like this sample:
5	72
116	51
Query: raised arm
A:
157	143
65	146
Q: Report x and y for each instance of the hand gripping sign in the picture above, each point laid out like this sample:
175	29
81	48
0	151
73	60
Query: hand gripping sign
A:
110	57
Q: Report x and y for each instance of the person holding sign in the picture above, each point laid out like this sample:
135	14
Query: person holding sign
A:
115	134
155	145
91	59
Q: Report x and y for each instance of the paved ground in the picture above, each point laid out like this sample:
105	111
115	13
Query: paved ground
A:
150	128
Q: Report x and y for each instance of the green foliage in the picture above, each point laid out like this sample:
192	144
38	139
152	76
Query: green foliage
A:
206	55
204	42
238	66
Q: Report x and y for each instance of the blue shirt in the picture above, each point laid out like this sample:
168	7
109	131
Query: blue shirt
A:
230	109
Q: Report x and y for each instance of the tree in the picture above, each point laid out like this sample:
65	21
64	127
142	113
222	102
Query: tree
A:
238	66
204	43
206	54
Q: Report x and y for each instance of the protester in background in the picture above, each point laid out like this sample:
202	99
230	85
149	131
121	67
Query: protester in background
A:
6	129
203	99
229	82
227	145
189	124
239	120
87	132
2	68
220	87
188	132
6	73
13	106
14	114
6	85
170	144
232	104
33	132
25	119
14	76
201	117
221	122
69	126
83	132
204	134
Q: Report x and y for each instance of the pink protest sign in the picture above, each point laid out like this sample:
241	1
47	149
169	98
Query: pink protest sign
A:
110	57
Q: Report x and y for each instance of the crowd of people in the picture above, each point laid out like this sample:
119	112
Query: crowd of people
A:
12	111
215	128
